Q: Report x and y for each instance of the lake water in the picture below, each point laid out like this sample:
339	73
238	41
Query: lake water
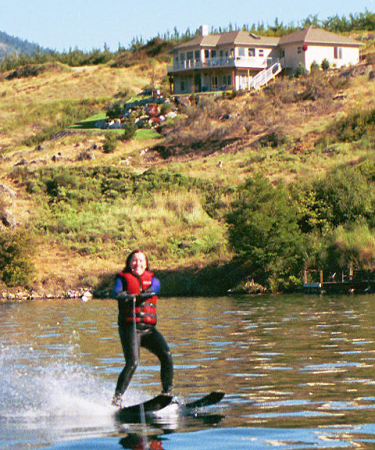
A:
298	373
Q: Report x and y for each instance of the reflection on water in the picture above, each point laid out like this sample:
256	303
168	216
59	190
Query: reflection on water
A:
298	372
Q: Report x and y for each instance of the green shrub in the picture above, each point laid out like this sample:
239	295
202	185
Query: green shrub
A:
274	139
342	197
166	108
314	67
325	64
110	142
60	183
16	250
355	126
129	129
263	231
300	71
114	110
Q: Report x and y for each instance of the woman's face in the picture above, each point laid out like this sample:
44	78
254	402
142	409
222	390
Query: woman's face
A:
138	264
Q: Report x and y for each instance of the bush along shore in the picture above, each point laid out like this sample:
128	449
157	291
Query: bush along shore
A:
229	279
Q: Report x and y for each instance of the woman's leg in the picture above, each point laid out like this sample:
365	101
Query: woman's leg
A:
130	345
156	344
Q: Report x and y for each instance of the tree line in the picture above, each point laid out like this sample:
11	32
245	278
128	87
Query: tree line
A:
74	57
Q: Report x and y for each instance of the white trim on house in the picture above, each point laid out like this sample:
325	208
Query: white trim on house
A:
212	62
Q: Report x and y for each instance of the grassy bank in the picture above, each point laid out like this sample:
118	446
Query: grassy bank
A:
170	193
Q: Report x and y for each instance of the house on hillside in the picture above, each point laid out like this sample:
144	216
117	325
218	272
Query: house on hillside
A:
240	60
315	45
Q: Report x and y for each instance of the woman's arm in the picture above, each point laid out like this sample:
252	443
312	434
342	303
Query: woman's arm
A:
117	288
155	285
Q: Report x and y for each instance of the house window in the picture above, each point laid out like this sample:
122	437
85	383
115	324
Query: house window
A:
299	50
251	52
182	86
241	51
227	80
189	56
206	54
182	56
261	52
282	53
337	52
221	53
197	55
213	53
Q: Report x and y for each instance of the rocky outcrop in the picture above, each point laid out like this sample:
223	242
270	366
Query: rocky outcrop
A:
7	219
19	295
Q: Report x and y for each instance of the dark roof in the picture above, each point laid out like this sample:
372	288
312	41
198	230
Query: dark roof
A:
308	35
239	37
313	35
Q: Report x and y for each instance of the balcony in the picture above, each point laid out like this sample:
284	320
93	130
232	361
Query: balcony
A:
221	62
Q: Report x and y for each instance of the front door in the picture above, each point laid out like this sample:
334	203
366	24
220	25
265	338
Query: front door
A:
197	82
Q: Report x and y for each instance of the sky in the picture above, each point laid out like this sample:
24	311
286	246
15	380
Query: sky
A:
92	24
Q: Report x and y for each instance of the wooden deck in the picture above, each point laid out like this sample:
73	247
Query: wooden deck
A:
348	282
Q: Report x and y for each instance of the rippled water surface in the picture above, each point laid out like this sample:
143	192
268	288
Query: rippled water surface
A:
298	372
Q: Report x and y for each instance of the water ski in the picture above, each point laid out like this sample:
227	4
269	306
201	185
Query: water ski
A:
154	404
159	402
208	400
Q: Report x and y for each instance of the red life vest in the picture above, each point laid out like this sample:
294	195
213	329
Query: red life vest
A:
144	313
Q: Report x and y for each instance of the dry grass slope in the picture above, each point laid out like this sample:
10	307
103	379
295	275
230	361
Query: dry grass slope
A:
271	131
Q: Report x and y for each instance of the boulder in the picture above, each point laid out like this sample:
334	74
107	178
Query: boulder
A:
7	219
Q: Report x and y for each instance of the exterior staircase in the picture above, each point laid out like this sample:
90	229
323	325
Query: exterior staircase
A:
266	75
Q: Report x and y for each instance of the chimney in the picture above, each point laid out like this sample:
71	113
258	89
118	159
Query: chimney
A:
204	30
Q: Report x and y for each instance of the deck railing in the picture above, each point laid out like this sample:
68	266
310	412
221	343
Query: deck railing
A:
266	75
220	62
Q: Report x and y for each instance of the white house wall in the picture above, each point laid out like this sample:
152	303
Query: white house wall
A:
258	61
344	55
296	55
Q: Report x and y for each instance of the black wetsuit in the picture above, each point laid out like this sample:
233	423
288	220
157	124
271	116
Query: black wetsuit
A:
151	339
136	335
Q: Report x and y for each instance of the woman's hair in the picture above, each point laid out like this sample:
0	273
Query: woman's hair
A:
129	258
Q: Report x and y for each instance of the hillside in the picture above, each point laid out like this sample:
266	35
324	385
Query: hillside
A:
182	182
10	44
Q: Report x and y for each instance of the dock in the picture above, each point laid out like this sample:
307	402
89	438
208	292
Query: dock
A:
346	282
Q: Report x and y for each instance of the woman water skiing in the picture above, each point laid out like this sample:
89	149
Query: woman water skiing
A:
136	291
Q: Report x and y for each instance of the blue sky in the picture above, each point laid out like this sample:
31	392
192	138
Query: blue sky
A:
89	24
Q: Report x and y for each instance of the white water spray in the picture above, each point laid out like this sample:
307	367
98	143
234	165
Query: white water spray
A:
61	389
